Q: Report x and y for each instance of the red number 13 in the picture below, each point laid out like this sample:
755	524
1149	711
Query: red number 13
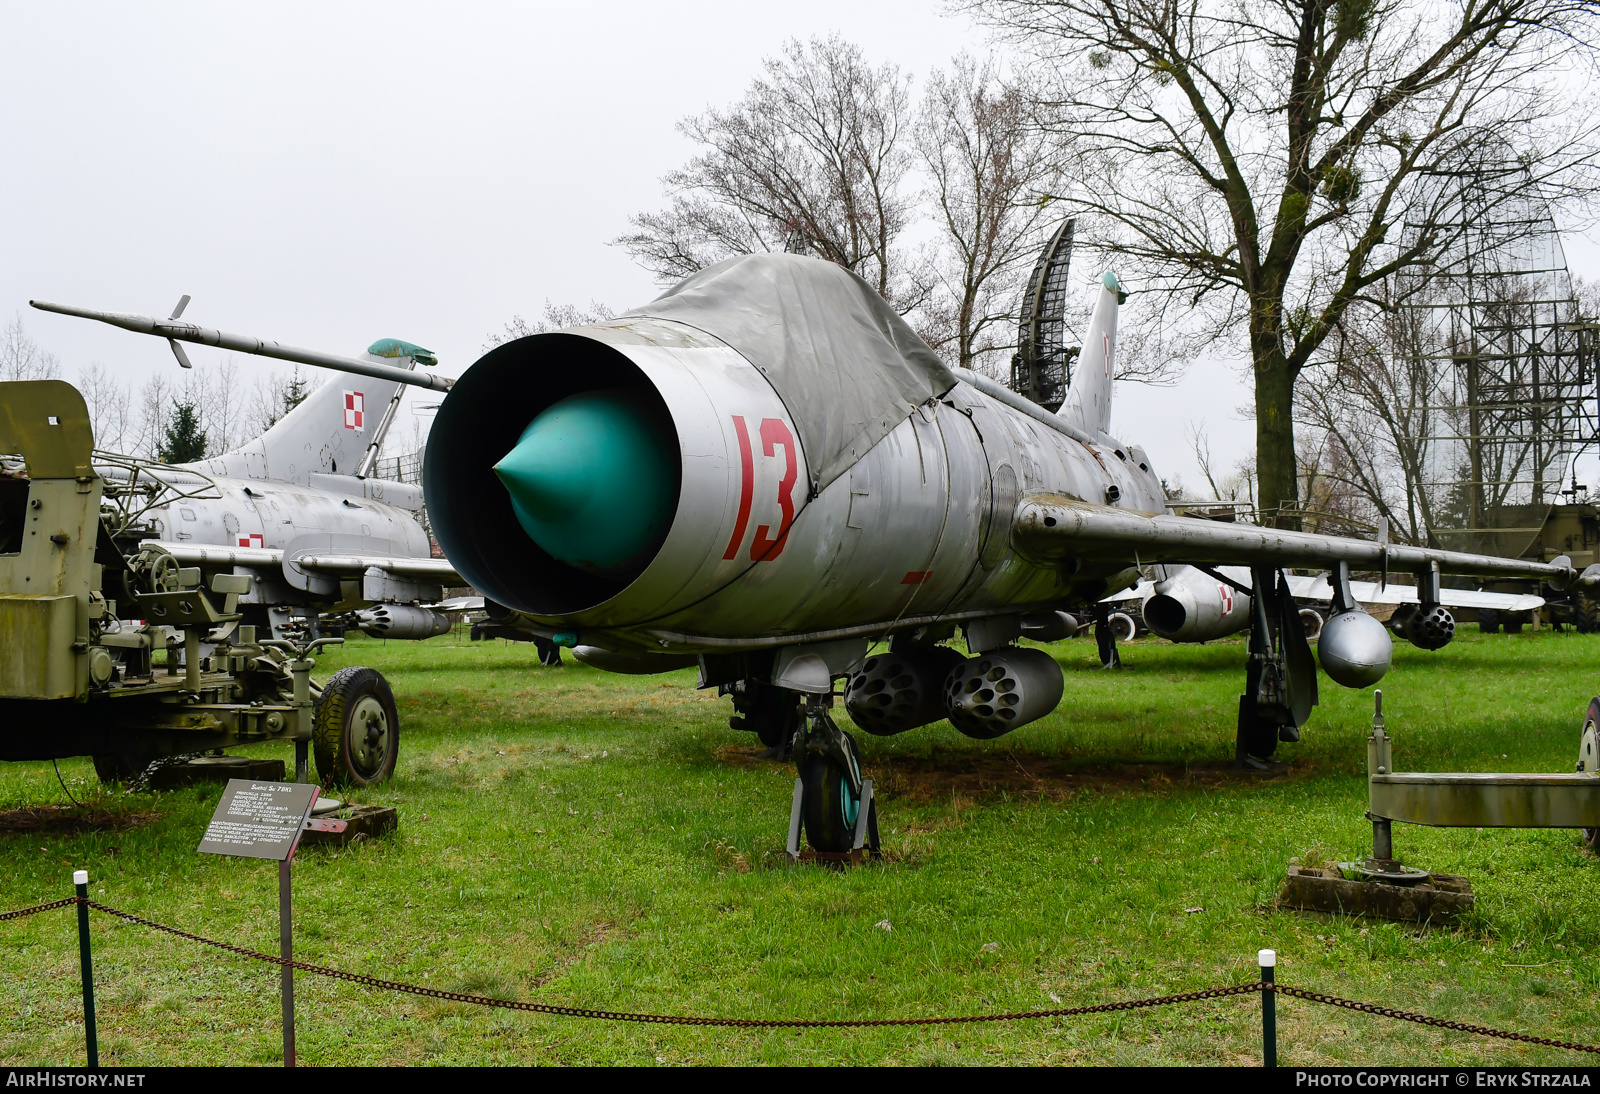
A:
774	432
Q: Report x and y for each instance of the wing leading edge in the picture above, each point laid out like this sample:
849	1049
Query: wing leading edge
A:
1050	526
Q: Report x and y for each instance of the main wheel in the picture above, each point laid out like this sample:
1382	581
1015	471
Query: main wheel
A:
773	714
1123	626
1589	760
356	731
1259	736
830	809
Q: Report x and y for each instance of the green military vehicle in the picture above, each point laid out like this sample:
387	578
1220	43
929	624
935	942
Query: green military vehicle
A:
1541	533
135	659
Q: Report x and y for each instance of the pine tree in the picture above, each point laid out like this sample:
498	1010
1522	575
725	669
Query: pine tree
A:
186	441
290	395
295	391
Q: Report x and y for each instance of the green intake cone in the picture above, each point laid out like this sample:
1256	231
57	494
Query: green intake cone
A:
592	479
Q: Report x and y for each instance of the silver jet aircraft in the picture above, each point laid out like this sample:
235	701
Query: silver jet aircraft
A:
765	472
297	508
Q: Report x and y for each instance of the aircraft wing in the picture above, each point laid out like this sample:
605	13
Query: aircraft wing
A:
428	569
1368	592
1051	526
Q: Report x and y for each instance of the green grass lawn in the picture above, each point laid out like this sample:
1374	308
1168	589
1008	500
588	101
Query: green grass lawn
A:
573	837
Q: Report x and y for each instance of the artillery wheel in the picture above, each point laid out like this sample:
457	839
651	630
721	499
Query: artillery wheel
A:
827	804
356	731
123	767
1585	613
1488	621
1589	760
1513	623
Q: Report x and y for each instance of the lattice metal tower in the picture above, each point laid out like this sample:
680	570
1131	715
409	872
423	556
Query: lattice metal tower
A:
1495	324
1041	368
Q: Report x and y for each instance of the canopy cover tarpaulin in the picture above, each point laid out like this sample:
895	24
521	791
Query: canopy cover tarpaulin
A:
846	366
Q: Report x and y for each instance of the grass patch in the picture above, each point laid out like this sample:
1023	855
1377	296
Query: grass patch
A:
606	841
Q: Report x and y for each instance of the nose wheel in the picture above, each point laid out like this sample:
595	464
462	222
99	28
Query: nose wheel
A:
833	804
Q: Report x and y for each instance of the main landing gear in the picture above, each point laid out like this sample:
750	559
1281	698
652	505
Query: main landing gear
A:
1281	680
833	803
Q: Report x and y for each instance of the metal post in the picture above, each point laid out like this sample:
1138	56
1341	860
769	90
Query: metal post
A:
286	948
1382	840
304	712
191	659
80	878
1268	960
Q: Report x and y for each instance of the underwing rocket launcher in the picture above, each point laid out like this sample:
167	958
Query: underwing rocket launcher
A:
765	471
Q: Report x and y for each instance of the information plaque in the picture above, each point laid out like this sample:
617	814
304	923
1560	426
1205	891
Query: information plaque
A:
258	819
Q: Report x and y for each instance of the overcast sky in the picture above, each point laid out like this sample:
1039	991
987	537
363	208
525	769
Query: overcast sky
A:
329	174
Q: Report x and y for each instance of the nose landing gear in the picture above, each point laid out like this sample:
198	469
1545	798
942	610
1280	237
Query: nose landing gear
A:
833	803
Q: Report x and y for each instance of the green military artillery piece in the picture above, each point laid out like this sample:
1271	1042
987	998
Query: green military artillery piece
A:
134	659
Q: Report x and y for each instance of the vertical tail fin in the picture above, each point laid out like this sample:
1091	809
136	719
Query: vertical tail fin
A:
1088	401
328	432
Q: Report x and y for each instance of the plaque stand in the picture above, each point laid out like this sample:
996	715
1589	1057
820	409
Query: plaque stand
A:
265	820
286	949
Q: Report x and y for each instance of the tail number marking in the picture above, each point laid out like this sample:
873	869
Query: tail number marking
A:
764	547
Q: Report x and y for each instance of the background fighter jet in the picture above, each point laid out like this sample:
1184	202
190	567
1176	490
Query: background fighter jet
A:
766	472
297	509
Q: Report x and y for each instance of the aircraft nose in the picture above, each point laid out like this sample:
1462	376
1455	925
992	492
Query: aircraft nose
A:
593	479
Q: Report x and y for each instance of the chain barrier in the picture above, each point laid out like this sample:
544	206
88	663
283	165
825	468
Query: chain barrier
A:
672	1019
1427	1020
37	908
1251	988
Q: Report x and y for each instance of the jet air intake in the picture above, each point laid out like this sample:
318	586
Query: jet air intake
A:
553	473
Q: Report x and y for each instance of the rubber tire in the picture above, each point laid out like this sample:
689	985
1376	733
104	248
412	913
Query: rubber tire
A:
1585	613
1590	836
826	801
332	727
1514	626
773	716
121	768
1488	621
1260	736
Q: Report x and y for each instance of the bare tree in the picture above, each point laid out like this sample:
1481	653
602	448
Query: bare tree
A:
111	410
1253	160
815	155
275	394
21	358
155	402
988	168
555	317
